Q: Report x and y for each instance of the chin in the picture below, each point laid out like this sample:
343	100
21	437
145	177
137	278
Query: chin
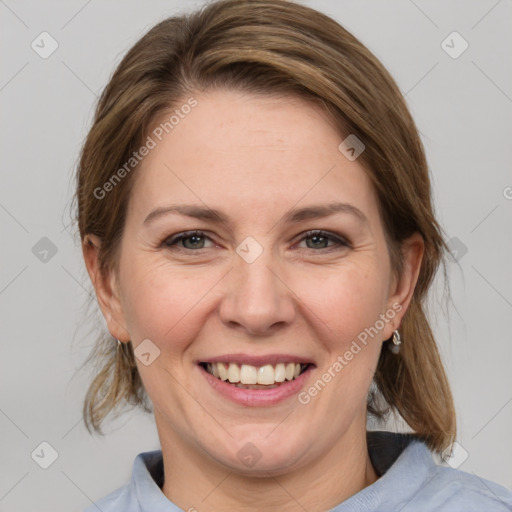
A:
265	455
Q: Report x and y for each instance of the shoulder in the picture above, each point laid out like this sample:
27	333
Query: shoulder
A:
411	481
452	488
117	500
143	488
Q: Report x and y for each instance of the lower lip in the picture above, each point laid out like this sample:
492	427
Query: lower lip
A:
257	397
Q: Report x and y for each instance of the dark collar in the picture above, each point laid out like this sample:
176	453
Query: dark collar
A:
385	447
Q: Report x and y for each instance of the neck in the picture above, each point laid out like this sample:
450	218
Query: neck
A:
193	483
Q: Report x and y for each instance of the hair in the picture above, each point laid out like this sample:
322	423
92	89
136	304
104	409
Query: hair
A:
273	47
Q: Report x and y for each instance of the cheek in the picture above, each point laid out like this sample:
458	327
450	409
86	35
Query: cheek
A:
350	310
160	302
349	306
348	301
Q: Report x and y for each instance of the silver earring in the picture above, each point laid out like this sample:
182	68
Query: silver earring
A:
397	341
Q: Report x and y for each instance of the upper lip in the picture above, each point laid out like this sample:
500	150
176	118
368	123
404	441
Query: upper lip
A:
258	361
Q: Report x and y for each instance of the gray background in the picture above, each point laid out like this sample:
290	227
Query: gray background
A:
463	108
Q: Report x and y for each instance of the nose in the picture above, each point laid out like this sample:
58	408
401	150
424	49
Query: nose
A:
257	299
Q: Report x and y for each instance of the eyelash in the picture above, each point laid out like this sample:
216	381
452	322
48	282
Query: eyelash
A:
172	241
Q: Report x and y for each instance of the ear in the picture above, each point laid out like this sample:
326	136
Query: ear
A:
106	287
402	287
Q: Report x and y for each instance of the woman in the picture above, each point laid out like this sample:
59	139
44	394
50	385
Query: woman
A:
254	206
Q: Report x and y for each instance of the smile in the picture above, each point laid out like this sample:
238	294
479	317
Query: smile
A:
252	380
247	376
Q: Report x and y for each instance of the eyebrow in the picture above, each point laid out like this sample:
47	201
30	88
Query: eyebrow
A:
290	217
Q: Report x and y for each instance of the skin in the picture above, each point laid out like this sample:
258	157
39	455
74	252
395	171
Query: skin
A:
255	158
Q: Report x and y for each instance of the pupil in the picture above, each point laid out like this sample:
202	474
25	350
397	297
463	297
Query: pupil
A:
194	239
318	240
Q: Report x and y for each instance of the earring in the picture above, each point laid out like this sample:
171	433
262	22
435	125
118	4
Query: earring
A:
397	341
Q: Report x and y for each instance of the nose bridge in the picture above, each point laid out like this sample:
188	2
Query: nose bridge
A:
256	298
258	277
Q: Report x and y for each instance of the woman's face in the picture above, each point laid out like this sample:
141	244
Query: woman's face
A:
286	265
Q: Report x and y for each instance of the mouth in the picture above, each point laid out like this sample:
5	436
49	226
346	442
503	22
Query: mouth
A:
247	376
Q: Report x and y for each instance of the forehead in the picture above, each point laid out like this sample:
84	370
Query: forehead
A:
240	151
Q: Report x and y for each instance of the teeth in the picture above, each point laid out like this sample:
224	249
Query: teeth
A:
221	368
249	375
266	374
280	373
233	373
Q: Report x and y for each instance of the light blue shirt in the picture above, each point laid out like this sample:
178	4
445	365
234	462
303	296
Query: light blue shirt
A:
410	481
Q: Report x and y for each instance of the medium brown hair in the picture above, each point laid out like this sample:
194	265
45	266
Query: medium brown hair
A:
273	47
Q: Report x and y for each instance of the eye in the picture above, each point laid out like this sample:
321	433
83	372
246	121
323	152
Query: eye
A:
318	239
192	240
196	240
